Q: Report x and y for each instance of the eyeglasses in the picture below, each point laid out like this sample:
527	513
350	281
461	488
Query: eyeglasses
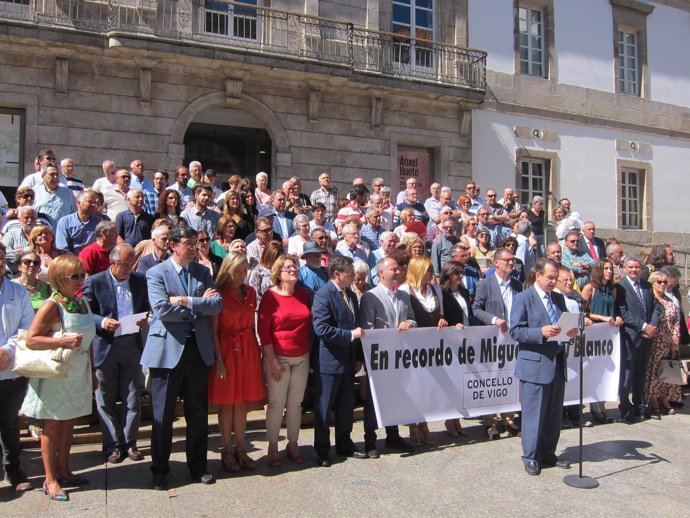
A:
288	268
30	262
204	240
76	276
263	230
189	244
511	260
448	228
125	177
664	283
571	241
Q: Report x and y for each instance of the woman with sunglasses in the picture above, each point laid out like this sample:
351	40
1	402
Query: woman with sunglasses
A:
205	256
60	401
666	346
29	264
169	205
23	197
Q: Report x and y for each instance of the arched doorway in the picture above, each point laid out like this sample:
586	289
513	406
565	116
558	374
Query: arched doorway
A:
230	141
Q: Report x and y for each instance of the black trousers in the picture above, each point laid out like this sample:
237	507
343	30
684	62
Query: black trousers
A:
371	424
189	379
333	391
634	362
12	394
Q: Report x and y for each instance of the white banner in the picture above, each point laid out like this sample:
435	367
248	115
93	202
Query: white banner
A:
436	374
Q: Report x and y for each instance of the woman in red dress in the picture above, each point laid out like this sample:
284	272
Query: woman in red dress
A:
236	379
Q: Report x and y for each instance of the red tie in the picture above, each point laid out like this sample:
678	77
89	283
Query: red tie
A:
592	251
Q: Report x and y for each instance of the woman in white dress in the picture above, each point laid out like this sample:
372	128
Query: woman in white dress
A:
60	401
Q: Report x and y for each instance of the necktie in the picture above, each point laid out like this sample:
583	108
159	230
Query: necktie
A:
183	280
346	299
636	285
551	310
593	251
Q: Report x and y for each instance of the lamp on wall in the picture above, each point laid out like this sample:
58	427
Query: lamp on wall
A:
538	133
634	146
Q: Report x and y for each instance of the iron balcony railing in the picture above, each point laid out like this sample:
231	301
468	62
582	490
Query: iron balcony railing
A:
261	30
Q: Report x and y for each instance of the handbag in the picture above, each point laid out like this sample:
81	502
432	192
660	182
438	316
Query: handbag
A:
672	372
45	363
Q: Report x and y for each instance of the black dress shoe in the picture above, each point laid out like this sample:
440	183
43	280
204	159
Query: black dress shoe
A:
134	454
532	467
676	404
323	463
205	479
160	482
556	463
115	457
373	453
629	418
398	443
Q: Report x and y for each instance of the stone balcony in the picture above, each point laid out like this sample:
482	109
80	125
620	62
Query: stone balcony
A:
253	31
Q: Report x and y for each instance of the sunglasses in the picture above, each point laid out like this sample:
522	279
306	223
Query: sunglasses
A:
27	196
204	240
76	276
125	177
30	262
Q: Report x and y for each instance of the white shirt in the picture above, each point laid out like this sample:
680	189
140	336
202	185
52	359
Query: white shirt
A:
426	299
507	295
463	305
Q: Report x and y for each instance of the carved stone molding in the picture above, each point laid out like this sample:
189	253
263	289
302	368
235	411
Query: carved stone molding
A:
233	89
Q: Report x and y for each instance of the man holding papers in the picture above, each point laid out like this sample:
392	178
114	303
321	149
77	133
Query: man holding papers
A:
116	296
541	367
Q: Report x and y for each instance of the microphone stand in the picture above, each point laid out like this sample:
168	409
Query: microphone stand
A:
579	481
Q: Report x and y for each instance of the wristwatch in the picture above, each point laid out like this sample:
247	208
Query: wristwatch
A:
179	301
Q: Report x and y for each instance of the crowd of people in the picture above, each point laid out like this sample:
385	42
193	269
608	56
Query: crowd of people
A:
253	294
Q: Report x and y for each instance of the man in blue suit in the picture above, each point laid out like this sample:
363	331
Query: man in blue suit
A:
640	311
113	294
335	314
282	221
541	367
179	353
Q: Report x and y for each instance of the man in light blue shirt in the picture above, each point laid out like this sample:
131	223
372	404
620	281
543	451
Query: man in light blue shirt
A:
139	181
51	198
200	217
76	231
15	313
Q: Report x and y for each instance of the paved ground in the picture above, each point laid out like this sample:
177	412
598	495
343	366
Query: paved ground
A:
642	468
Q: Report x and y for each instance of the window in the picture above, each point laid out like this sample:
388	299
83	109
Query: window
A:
632	189
11	136
534	180
230	20
532	42
413	19
628	63
630	46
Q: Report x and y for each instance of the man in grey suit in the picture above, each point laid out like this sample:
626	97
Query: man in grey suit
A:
639	310
384	307
179	353
541	367
492	302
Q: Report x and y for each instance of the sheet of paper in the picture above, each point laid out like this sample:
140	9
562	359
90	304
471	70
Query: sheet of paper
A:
128	325
567	322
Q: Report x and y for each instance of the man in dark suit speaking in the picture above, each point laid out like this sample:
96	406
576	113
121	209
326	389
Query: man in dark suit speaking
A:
336	324
179	352
541	367
112	295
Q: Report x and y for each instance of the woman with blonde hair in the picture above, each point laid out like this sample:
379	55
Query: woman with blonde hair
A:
427	303
416	246
406	216
42	243
284	326
233	210
236	379
60	401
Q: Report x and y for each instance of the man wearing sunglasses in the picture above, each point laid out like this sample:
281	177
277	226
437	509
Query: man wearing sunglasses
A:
116	199
112	295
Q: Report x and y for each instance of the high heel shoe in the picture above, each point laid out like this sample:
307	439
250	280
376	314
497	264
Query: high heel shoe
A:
58	494
427	437
492	432
227	459
244	460
450	428
415	436
512	429
293	454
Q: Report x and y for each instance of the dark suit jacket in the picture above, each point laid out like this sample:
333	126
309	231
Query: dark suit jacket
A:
488	302
536	359
452	310
628	307
289	216
99	294
333	322
582	247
